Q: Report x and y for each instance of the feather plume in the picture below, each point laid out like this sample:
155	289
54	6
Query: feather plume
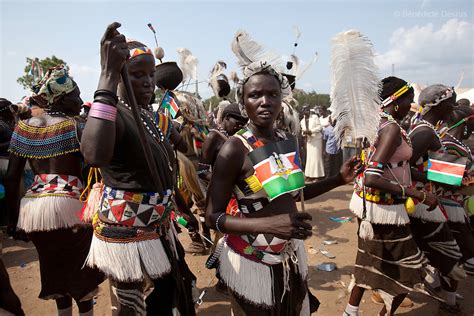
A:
461	79
234	77
297	32
188	64
355	86
301	72
248	51
217	70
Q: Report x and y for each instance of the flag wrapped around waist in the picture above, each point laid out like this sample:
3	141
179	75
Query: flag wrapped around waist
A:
446	168
278	168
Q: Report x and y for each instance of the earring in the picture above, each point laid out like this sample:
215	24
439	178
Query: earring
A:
396	108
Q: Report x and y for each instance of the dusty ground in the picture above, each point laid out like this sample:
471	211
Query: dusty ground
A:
330	287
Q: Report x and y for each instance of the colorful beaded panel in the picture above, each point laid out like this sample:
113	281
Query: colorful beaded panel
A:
267	252
134	209
43	142
55	185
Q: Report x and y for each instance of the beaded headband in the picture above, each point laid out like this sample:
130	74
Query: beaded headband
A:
396	95
134	52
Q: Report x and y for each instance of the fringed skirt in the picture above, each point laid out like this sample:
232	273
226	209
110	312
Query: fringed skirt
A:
390	263
259	289
62	253
51	203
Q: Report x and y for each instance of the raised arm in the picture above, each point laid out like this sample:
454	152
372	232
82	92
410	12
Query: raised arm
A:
100	135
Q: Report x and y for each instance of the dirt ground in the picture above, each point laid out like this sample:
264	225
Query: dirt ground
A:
330	287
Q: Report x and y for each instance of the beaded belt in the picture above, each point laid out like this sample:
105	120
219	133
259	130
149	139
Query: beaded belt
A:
132	209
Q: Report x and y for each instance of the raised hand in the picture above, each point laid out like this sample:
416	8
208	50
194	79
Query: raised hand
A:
349	169
113	50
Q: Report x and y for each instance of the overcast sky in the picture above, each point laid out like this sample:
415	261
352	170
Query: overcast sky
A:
427	41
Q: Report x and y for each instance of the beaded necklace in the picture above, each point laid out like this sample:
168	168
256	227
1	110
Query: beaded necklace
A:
434	130
144	113
460	144
160	137
56	113
390	118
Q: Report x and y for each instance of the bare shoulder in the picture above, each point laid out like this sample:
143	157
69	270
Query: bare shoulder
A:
233	148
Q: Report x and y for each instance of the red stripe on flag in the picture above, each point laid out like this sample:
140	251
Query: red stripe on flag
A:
457	169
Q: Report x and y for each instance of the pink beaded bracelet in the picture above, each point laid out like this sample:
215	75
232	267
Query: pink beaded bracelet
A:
103	111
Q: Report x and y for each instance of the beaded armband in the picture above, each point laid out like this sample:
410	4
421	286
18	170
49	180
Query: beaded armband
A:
375	168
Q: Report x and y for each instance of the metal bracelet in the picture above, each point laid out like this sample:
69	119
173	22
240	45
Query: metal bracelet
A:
217	222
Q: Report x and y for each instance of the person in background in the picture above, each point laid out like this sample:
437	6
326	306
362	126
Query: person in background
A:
312	132
333	151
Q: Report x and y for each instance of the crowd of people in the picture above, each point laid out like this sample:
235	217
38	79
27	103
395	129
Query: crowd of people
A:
415	218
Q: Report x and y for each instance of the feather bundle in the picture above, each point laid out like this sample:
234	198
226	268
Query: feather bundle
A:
234	77
354	86
216	75
302	71
248	51
188	64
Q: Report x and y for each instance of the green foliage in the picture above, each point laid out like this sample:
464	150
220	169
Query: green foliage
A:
41	66
311	98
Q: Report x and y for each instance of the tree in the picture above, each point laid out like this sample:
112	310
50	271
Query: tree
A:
35	68
311	98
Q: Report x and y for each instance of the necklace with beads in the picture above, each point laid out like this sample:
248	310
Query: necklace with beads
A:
461	144
390	118
158	136
55	113
434	130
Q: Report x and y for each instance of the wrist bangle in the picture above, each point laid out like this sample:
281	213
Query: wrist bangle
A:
217	222
107	93
424	197
105	99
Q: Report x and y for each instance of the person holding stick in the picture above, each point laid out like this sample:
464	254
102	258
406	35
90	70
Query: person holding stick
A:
134	241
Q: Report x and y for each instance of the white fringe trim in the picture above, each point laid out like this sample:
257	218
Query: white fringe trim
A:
302	258
252	280
434	216
456	214
379	214
124	261
49	213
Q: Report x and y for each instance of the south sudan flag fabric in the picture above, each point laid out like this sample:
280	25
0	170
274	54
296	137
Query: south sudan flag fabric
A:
277	167
446	168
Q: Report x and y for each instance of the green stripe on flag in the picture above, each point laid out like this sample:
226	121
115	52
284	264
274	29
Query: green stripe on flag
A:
444	178
279	185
